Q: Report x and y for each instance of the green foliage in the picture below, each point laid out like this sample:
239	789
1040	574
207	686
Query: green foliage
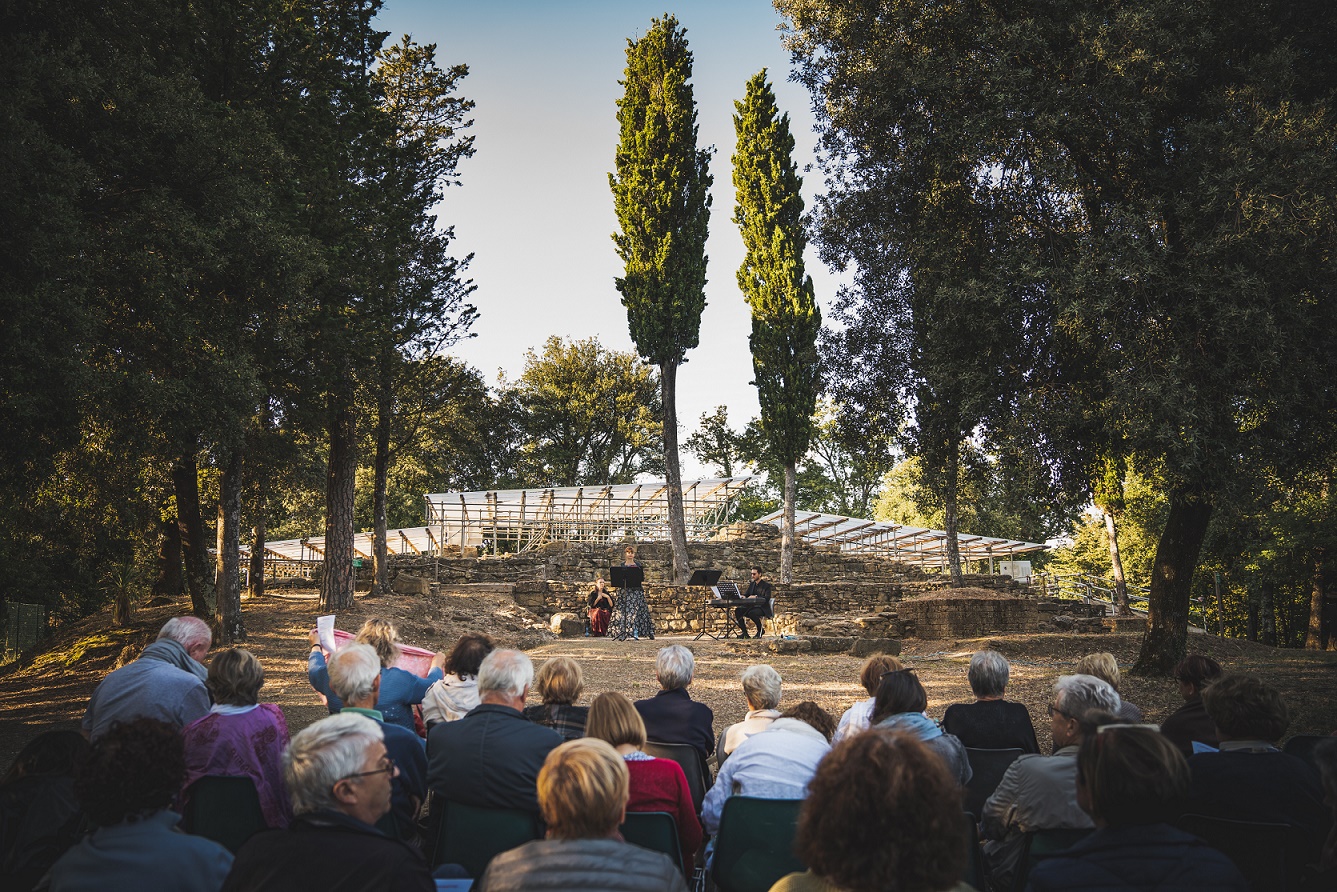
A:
715	443
1140	522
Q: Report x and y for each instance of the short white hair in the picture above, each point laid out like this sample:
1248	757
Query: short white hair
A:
674	667
187	631
761	687
1082	696
507	672
324	753
354	669
988	673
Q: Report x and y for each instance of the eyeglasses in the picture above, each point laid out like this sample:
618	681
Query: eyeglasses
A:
1054	710
387	767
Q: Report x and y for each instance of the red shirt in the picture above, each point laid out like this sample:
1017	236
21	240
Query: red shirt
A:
660	785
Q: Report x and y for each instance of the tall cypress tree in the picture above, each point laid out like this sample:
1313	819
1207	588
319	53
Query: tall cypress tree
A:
785	317
661	195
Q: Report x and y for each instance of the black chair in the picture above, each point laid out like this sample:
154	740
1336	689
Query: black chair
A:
1272	857
987	769
656	831
755	845
1040	843
1302	746
224	809
471	837
974	857
689	757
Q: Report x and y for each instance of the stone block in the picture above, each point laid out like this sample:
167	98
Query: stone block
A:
866	647
789	646
566	625
406	584
829	644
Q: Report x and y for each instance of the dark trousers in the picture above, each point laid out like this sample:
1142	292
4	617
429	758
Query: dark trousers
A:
756	614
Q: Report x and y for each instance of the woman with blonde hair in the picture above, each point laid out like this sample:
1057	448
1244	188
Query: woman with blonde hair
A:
559	683
401	690
1104	667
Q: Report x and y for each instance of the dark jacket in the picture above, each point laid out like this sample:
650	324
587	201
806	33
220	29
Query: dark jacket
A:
606	865
489	759
674	717
1126	859
1271	787
992	725
763	591
1188	723
406	749
327	852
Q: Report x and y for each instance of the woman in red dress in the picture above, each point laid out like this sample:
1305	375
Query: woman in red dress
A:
601	607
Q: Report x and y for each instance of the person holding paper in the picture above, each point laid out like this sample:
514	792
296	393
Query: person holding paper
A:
400	689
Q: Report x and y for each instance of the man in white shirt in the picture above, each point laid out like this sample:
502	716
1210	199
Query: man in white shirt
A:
761	689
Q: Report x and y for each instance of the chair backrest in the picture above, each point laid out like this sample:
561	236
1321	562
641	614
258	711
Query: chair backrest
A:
1045	842
656	831
720	754
755	845
471	837
1271	856
987	769
1302	746
224	809
974	873
689	757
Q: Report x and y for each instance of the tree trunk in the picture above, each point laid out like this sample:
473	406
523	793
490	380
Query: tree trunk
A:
229	626
1253	610
380	550
190	525
256	576
1268	616
336	578
1171	584
668	376
122	610
1121	606
169	582
1314	631
952	475
1220	607
787	526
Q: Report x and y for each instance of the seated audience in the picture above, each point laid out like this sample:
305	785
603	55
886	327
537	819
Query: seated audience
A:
1250	779
491	757
1325	756
457	693
672	716
126	786
856	718
882	813
761	690
340	777
40	816
355	677
1191	722
600	603
240	736
559	683
899	706
582	791
401	690
775	764
655	784
1132	781
990	723
165	683
1040	792
1104	667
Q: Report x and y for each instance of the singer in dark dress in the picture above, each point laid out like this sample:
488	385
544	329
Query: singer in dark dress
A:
632	617
760	590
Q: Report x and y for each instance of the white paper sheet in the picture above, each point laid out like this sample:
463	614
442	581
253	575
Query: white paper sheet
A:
325	629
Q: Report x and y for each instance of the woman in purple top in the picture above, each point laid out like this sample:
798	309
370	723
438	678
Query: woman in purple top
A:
240	736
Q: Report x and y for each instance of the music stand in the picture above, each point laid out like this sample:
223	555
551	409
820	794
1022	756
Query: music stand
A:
626	577
705	578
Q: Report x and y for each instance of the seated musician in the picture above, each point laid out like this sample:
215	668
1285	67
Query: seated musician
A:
600	603
759	590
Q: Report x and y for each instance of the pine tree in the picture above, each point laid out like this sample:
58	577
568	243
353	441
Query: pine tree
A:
785	317
661	196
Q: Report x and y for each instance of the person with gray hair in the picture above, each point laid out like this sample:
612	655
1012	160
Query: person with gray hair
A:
355	677
761	690
672	716
491	757
991	723
1040	792
339	776
165	683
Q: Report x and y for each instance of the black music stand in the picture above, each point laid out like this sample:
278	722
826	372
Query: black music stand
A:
623	577
706	578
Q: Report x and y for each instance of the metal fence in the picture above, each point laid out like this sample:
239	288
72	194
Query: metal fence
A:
24	626
1100	590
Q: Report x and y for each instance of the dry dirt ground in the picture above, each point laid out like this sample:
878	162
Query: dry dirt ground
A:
52	689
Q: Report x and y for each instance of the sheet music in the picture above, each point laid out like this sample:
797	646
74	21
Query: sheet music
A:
726	590
325	630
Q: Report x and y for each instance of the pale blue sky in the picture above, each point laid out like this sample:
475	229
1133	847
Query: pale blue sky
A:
535	208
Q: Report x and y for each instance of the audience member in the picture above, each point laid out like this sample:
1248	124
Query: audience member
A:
1040	792
1104	667
240	736
355	677
600	608
672	716
340	779
1132	781
582	790
401	690
1325	757
127	785
1191	722
40	816
882	813
655	784
457	693
761	690
991	722
166	682
856	718
491	757
899	706
775	764
559	683
1250	779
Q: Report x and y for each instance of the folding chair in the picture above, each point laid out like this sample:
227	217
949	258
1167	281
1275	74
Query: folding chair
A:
755	845
1040	843
974	857
1271	856
656	831
224	809
689	757
471	837
987	770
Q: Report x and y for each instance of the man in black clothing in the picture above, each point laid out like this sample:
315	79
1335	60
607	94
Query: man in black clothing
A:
760	591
